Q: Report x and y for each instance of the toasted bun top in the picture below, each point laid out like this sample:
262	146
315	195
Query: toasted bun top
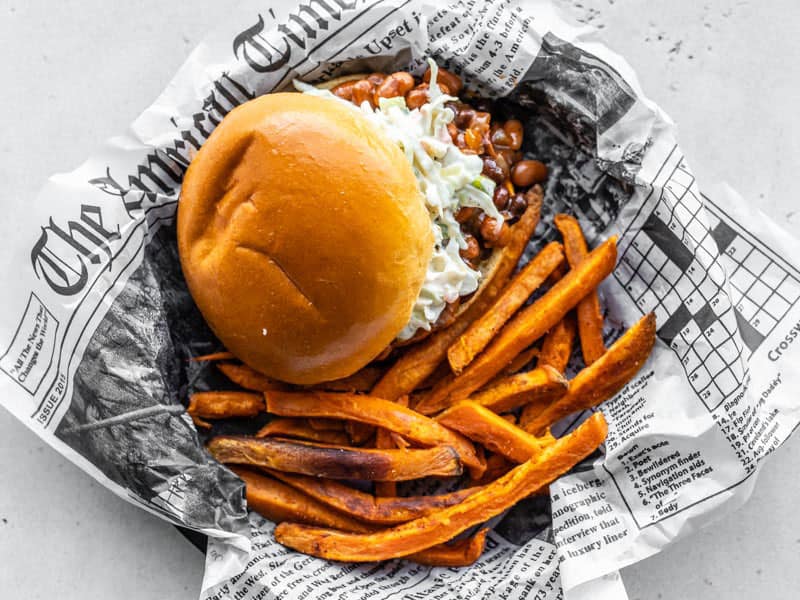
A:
303	237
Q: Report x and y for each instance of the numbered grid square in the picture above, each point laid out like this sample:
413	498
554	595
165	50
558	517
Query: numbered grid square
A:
763	323
696	272
657	257
726	382
691	361
636	286
714	363
700	378
695	302
738	249
790	289
642	243
747	308
647	301
712	396
759	293
716	334
756	262
709	289
742	279
776	306
773	275
690	332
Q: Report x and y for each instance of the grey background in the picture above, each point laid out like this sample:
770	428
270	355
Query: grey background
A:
74	73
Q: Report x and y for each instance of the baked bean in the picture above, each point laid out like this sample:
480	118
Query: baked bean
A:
473	249
362	92
501	196
344	90
482	121
465	213
464	116
528	172
417	97
451	80
518	204
492	234
376	78
396	84
473	140
514	131
492	170
499	136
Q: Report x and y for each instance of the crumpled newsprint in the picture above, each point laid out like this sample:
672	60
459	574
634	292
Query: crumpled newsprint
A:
98	326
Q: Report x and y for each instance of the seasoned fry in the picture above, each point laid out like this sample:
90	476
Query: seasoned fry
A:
336	462
590	318
372	411
420	361
520	360
221	405
493	431
360	381
528	325
385	438
446	523
299	428
602	379
279	502
214	356
519	289
510	392
248	378
366	507
557	344
462	553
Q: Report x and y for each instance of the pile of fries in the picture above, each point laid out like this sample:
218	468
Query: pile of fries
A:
459	404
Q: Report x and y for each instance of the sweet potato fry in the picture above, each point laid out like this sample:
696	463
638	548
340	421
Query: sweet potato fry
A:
590	318
510	392
299	428
372	411
446	523
221	405
366	507
279	502
557	344
385	438
214	356
249	378
493	431
520	360
514	295
421	360
528	325
336	462
360	381
462	553
603	378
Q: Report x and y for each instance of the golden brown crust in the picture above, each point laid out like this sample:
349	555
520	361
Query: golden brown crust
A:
303	237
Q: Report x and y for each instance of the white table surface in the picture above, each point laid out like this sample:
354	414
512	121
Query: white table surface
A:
73	73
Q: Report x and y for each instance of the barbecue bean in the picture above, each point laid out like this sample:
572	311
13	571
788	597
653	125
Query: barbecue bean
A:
528	172
396	84
451	80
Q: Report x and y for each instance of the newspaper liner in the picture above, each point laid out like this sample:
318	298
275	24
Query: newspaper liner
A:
99	325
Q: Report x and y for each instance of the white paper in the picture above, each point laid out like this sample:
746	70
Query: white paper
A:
98	325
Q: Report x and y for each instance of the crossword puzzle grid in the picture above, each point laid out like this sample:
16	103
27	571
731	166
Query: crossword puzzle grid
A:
673	269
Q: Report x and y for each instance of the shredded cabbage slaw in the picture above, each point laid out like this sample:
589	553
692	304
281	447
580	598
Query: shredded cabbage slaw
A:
448	179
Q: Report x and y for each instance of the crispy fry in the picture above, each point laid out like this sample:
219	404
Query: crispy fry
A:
299	428
446	523
336	462
420	361
493	431
372	411
531	410
279	502
515	390
557	344
602	379
366	507
360	381
384	438
221	405
249	378
521	360
213	357
590	319
462	553
514	295
528	325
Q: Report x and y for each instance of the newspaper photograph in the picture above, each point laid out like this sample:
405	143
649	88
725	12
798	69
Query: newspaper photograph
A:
99	328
